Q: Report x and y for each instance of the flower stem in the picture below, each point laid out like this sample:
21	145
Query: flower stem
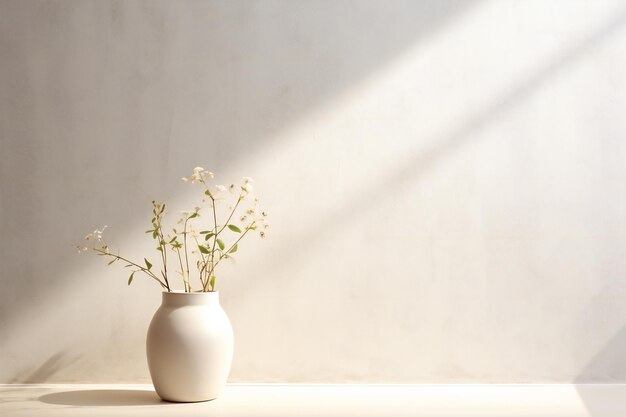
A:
229	249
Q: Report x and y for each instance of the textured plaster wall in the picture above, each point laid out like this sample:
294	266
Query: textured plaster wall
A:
445	182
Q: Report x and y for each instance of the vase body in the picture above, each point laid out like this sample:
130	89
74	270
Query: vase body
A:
189	347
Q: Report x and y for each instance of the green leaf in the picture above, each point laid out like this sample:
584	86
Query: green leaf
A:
194	215
209	236
234	228
203	249
114	259
162	208
173	239
234	249
148	264
204	232
149	231
212	282
154	234
220	244
130	278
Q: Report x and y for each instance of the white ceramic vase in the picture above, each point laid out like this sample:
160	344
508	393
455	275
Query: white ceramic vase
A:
189	347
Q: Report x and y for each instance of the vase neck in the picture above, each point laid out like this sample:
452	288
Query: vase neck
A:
181	299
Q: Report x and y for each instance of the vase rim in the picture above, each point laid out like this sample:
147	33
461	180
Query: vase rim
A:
182	298
181	292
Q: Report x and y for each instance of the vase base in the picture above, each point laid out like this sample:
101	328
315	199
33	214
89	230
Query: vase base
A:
186	401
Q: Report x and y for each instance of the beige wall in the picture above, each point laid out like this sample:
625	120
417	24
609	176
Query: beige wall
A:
446	183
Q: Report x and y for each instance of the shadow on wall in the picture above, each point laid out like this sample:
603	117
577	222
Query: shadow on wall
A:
603	400
460	135
106	99
46	370
41	374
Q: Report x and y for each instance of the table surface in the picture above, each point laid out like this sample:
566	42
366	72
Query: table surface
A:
278	400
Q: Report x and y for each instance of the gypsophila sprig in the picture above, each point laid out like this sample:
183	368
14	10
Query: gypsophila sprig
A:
203	241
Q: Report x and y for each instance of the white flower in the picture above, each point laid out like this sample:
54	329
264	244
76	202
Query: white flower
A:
247	188
200	174
247	180
97	234
185	179
197	174
221	188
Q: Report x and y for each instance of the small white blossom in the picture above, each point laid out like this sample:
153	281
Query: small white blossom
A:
221	188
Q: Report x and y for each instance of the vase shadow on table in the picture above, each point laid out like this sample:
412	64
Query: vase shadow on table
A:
103	397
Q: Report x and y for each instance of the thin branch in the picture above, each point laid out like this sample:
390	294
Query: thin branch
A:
143	269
